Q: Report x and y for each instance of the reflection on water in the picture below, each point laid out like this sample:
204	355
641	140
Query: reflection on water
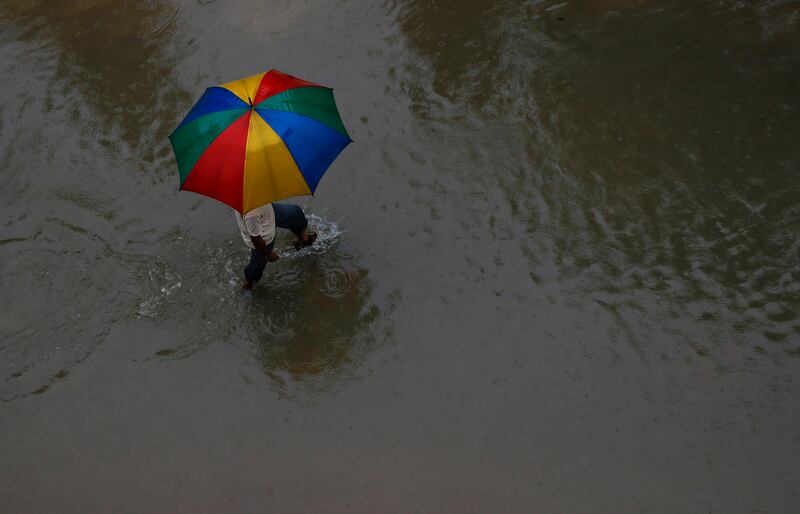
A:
119	56
646	150
90	99
83	81
312	323
465	56
309	322
571	260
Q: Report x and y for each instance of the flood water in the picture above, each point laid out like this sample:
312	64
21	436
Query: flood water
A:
560	268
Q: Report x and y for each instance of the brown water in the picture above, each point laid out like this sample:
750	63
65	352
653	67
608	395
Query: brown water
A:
560	270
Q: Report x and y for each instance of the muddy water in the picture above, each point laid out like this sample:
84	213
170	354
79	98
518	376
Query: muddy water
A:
560	269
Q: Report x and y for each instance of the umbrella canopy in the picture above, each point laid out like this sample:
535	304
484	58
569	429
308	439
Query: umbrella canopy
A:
258	140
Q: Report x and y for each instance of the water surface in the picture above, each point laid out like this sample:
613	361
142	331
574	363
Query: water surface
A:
561	271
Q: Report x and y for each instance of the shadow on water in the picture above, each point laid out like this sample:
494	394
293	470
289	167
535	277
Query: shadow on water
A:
646	150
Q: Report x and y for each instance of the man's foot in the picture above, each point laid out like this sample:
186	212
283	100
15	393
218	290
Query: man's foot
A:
247	285
305	239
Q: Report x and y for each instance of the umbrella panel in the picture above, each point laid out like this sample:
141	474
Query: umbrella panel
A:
270	170
246	160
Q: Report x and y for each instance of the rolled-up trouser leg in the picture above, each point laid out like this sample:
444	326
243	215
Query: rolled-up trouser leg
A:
254	269
290	217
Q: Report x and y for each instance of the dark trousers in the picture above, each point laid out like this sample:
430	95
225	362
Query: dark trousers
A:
287	216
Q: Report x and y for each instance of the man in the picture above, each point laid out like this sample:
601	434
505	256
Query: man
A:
258	231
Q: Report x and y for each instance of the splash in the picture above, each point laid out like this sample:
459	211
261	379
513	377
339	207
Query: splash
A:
328	234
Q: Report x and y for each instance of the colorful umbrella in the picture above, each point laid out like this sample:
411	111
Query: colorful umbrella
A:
258	140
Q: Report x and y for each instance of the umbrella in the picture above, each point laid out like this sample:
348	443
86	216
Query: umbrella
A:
258	140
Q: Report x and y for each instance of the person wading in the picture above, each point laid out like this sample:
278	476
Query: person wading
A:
258	231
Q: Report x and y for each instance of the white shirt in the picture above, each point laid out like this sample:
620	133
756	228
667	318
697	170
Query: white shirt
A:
258	222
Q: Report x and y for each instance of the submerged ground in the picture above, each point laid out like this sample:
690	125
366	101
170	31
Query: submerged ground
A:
561	270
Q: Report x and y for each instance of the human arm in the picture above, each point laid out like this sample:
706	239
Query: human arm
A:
264	248
259	224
